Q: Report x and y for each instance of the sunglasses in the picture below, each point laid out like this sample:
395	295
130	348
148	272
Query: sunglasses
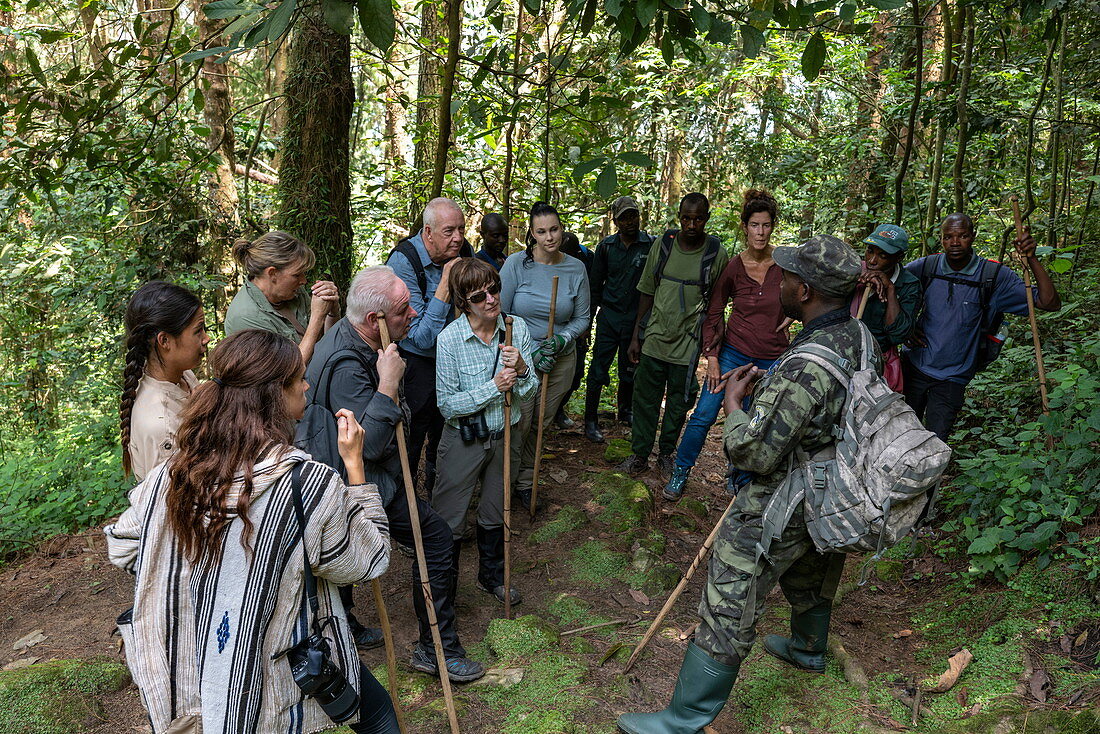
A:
479	296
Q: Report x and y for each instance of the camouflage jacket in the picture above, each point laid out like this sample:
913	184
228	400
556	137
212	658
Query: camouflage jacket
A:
796	404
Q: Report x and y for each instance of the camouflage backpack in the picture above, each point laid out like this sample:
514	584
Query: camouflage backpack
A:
878	480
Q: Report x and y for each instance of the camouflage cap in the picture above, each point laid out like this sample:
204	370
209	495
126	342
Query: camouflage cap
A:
622	205
890	238
827	264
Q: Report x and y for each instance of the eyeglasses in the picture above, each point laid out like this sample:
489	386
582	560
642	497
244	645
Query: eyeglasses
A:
479	296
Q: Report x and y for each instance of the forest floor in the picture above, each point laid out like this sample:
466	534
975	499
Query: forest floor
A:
604	551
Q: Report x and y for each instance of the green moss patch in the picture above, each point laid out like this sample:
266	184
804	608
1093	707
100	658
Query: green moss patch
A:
567	518
626	501
771	695
618	450
593	563
58	697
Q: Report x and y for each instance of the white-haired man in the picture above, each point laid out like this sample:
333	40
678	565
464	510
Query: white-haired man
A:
423	262
350	370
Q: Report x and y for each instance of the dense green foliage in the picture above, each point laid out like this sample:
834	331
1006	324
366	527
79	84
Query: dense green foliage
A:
851	112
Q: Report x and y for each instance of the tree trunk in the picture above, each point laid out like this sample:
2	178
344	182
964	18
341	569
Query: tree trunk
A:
314	186
89	12
429	85
450	68
275	83
918	78
947	75
509	106
865	184
1055	142
221	141
961	113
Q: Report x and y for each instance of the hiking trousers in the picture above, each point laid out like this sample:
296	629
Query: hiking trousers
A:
655	380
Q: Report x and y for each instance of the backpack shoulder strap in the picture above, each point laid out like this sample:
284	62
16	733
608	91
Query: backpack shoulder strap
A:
329	368
714	245
662	258
924	276
837	366
408	249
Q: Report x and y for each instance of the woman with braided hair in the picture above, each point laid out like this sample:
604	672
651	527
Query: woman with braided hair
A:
165	341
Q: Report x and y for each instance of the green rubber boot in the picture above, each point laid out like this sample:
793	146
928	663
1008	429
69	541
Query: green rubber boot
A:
702	688
805	648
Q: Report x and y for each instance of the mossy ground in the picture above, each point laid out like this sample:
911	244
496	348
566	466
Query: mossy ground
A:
626	502
567	519
58	697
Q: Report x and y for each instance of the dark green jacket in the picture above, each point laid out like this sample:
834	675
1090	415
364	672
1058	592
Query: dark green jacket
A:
614	280
907	287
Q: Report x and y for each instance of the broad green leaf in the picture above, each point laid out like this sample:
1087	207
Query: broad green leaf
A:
847	12
1061	265
533	6
588	17
635	158
202	53
338	14
607	183
613	7
645	11
721	31
668	52
583	169
813	57
701	17
752	40
229	9
36	68
888	4
377	21
278	21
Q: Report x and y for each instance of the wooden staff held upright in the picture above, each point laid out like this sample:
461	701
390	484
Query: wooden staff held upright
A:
508	484
542	406
1031	310
422	564
391	653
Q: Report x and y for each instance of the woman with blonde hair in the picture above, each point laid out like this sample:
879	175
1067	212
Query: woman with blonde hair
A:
274	297
219	538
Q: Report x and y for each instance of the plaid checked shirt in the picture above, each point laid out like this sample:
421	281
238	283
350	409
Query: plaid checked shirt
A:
465	367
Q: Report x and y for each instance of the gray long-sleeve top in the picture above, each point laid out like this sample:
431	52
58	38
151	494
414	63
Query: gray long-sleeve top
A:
525	292
354	385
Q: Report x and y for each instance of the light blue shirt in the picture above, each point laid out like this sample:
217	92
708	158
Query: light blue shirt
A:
432	314
464	371
525	292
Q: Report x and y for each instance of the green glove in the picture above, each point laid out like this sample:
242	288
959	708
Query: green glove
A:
554	344
543	357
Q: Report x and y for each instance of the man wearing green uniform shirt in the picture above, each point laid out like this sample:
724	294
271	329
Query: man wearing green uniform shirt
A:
616	267
763	539
679	272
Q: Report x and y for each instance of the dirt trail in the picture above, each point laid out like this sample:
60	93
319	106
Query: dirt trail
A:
70	591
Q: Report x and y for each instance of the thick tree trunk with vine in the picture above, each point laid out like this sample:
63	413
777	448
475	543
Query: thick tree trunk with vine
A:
275	84
1055	148
314	187
446	94
672	175
510	131
911	128
946	77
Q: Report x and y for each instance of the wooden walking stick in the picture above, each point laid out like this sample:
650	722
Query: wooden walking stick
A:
1031	311
391	653
863	302
508	484
677	591
542	403
422	564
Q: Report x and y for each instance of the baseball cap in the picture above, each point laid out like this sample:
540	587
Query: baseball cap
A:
890	238
622	205
827	264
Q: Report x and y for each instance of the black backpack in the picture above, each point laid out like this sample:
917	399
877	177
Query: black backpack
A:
408	249
317	432
990	342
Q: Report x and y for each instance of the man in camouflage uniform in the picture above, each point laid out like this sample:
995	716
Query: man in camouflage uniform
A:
797	404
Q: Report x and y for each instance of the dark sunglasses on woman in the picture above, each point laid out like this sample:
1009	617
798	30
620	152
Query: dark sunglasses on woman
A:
479	296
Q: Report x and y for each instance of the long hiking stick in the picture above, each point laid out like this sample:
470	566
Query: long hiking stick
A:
863	302
391	653
422	564
542	405
1031	311
508	484
677	591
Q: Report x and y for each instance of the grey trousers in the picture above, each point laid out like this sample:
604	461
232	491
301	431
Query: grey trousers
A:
560	377
462	469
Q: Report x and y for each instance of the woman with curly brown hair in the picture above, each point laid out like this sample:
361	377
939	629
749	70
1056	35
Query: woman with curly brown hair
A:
756	331
165	341
219	556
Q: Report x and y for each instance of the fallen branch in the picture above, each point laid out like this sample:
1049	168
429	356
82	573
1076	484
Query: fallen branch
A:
853	671
597	626
256	175
955	667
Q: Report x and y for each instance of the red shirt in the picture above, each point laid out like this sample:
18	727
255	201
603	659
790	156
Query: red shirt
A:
756	314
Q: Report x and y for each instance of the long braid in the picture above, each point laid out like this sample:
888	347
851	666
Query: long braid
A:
137	354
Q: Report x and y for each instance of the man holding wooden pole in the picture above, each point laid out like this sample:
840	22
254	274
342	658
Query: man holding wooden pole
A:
965	299
350	369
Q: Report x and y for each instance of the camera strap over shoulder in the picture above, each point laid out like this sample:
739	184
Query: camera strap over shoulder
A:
300	514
